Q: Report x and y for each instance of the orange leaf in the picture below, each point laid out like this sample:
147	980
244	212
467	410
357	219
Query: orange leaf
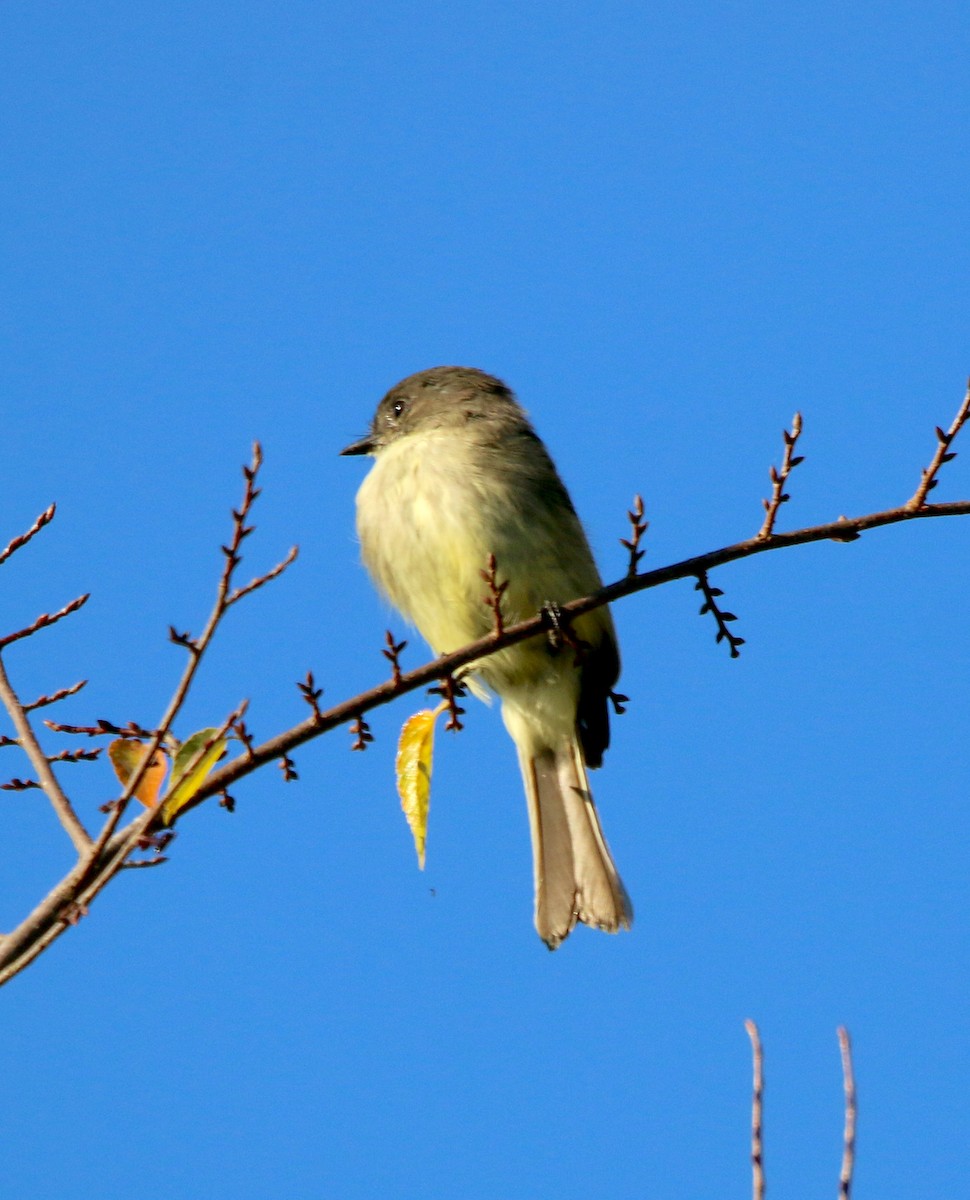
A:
127	756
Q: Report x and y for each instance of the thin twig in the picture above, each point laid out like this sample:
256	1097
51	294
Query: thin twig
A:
38	760
451	691
235	596
943	454
15	544
54	697
638	527
848	1138
361	733
131	730
779	478
496	591
310	693
242	733
45	620
196	647
721	616
757	1099
72	756
393	655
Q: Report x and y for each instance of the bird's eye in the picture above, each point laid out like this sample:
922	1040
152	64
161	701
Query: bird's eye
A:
398	407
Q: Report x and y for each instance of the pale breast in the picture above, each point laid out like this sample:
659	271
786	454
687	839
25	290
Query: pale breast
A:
433	508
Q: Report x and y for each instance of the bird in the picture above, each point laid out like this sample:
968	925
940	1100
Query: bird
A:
459	475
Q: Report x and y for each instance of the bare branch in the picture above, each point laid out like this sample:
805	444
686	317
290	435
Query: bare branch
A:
848	1138
101	860
943	454
496	592
196	647
106	856
54	697
45	620
144	862
55	912
722	617
451	691
273	573
311	693
38	760
757	1100
243	734
780	478
15	544
72	756
638	527
393	655
131	730
361	732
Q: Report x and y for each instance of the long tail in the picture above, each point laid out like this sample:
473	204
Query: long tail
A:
575	876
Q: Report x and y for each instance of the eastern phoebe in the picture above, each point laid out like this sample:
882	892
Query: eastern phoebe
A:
460	474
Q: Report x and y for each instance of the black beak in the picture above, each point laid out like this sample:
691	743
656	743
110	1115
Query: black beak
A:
364	446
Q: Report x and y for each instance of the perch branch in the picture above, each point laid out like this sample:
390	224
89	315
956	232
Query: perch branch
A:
410	681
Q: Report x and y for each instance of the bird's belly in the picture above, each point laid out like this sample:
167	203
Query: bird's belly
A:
428	522
423	538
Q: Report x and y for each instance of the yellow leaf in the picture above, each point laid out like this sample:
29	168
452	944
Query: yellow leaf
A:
194	760
415	748
126	757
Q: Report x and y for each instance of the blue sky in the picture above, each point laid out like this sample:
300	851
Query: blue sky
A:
668	228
